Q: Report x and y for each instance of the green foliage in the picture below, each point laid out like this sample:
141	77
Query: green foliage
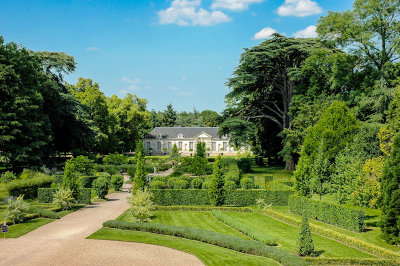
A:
45	195
343	216
168	116
390	202
277	186
201	149
241	197
349	261
7	177
216	189
181	184
244	164
198	166
246	183
230	185
158	184
213	238
141	205
101	186
63	198
174	152
29	187
197	183
305	241
203	208
16	209
114	159
74	168
131	171
233	173
116	182
44	213
86	181
245	229
139	181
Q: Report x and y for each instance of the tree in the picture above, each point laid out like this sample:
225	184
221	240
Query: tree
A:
390	201
263	84
174	152
56	64
201	149
139	149
217	184
210	118
168	116
74	168
305	241
141	206
139	181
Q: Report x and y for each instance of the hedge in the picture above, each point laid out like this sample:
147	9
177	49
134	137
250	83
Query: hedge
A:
45	195
86	181
237	197
346	239
349	261
58	179
202	208
29	187
231	242
328	213
268	178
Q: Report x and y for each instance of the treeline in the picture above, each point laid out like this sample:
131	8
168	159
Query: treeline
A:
329	107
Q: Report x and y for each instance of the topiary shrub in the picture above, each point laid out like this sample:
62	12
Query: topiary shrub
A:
197	183
230	185
246	183
7	177
29	187
86	181
206	184
181	184
244	165
305	241
141	205
157	184
16	209
63	198
101	186
171	182
116	182
114	159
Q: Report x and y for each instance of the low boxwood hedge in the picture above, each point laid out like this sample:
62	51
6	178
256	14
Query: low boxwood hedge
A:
350	261
213	238
346	217
45	195
203	208
29	187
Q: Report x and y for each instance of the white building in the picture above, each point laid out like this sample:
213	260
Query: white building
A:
161	139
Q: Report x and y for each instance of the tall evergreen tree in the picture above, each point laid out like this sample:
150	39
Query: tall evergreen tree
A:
217	184
305	241
169	116
139	181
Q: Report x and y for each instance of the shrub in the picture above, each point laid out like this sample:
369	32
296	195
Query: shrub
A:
141	205
231	242
63	198
116	182
328	213
181	184
101	186
44	213
198	166
16	209
157	184
233	173
159	178
247	183
244	165
206	184
86	181
245	229
197	183
268	178
114	159
171	182
305	241
349	261
84	196
58	179
139	181
241	197
274	185
45	195
29	187
7	177
131	171
216	191
230	185
74	168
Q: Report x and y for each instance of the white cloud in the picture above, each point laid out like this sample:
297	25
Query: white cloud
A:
234	5
130	81
173	88
264	33
309	32
186	13
299	8
91	49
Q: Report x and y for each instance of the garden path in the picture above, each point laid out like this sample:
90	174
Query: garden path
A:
62	242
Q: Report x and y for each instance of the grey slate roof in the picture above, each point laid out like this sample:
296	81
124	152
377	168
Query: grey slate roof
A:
187	132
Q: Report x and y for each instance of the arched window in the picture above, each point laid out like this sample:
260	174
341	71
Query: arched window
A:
180	136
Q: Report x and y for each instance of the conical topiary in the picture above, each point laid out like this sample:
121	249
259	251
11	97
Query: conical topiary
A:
305	241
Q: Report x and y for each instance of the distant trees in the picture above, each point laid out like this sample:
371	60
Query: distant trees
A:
168	116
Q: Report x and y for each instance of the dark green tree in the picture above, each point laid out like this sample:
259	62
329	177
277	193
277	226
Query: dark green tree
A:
74	168
174	152
305	241
390	202
168	116
201	149
139	181
139	149
210	118
217	184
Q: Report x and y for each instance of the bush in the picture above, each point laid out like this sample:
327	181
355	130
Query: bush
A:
197	183
114	159
157	184
141	205
328	213
268	178
29	187
171	182
245	229
63	198
159	178
231	242
148	168
230	185
58	179
246	183
101	186
116	182
84	196
86	181
198	166
181	184
349	261
241	197
45	195
244	165
305	241
7	177
206	184
274	185
44	213
233	173
16	209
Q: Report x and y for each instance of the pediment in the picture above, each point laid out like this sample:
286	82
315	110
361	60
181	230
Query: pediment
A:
203	135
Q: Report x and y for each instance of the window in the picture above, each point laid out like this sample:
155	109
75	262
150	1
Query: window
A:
214	146
180	136
186	147
169	146
159	136
180	145
225	146
159	146
191	145
148	145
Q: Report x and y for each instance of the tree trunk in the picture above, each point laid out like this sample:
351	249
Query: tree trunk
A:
289	165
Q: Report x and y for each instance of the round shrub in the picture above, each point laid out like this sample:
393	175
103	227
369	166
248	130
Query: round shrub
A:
101	186
181	184
230	185
159	178
171	182
246	183
63	198
206	184
117	181
131	171
16	209
7	177
197	183
158	184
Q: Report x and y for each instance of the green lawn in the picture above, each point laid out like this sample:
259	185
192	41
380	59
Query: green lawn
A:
18	230
195	219
286	236
277	172
208	254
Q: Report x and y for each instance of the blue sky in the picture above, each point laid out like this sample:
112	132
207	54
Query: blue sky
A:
180	52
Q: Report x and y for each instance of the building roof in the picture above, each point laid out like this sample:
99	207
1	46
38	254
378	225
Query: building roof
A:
187	132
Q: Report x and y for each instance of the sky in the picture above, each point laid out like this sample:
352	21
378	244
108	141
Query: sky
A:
166	51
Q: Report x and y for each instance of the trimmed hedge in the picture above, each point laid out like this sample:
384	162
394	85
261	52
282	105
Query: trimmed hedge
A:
268	178
202	208
29	187
245	229
45	195
231	242
58	179
328	213
45	213
348	240
349	261
238	197
86	181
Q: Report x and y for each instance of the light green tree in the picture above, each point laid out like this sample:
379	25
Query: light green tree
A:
139	181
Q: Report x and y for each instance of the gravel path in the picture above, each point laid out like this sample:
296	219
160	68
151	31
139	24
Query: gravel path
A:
63	242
